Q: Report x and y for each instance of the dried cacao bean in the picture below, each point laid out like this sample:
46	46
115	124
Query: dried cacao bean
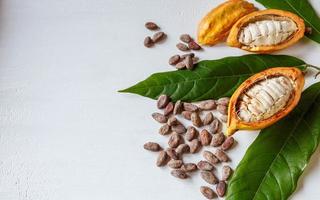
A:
222	109
179	128
168	109
191	134
209	177
189	62
175	164
196	120
215	126
174	60
207	105
186	115
210	157
152	146
190	107
173	121
205	137
205	166
217	139
151	26
194	46
189	167
177	107
194	146
221	188
226	172
148	42
172	154
224	101
174	140
185	38
207	192
181	65
163	101
227	144
159	117
221	155
157	37
178	173
164	130
208	118
182	148
162	159
182	47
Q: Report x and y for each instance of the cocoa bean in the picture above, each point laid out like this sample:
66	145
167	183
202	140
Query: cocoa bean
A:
194	46
182	148
159	117
224	118
173	121
164	130
191	134
157	37
222	109
178	173
174	140
186	115
148	42
215	126
151	26
221	188
182	47
179	128
186	55
177	107
221	155
185	38
190	107
168	109
163	101
174	60
209	177
195	60
175	164
207	192
194	146
205	166
189	167
227	144
205	137
181	65
208	118
217	139
226	172
162	159
210	157
207	105
224	101
152	146
172	154
189	62
196	120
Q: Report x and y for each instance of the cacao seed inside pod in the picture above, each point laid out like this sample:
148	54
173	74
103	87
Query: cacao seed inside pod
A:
264	98
216	25
266	31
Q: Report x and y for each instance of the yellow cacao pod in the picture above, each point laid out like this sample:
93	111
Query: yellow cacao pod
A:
264	98
215	26
266	31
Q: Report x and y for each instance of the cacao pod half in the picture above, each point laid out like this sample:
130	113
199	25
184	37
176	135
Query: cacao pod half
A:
266	31
264	98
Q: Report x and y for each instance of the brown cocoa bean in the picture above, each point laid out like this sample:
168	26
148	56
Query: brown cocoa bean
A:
190	107
208	118
189	62
186	115
217	139
210	157
207	105
181	65
175	164
221	188
151	26
186	55
194	146
185	38
224	118
162	159
224	101
196	120
163	101
207	192
209	177
159	117
174	140
164	130
205	137
179	128
215	126
178	173
148	42
174	60
227	144
191	134
182	148
189	167
194	46
205	166
221	155
222	109
168	109
182	47
177	107
172	154
152	146
172	121
157	37
226	172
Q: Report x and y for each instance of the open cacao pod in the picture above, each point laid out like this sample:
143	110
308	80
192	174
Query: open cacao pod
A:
266	31
264	98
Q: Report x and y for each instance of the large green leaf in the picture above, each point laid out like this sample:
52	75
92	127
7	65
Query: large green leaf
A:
210	79
301	8
273	163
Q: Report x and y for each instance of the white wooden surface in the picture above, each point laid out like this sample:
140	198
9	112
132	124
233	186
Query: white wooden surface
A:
65	133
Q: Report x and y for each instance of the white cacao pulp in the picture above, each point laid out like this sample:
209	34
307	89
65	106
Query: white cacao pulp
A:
269	30
265	98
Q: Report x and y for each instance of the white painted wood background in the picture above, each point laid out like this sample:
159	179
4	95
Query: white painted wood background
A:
65	133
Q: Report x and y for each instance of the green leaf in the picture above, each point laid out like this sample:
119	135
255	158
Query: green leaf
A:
209	79
302	8
273	163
